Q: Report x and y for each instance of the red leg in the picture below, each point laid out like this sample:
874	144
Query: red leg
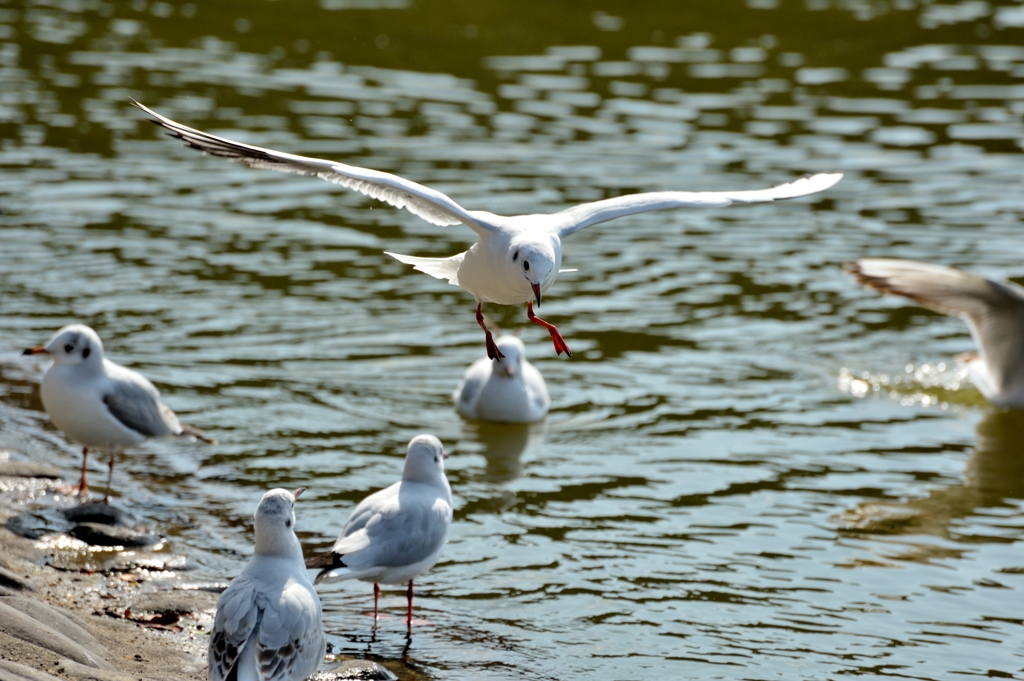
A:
556	337
376	595
408	615
492	350
83	486
110	478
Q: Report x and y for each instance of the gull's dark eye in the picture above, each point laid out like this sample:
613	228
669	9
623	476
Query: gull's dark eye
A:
288	523
526	265
515	256
68	348
85	353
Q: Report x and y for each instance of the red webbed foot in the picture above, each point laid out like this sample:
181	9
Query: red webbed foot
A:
492	348
556	338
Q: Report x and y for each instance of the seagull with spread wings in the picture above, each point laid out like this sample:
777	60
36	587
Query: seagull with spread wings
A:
992	309
516	258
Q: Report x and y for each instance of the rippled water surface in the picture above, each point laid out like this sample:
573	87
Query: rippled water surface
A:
752	468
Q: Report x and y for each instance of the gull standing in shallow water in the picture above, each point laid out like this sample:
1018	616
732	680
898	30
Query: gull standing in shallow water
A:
100	404
993	310
396	534
505	390
268	625
516	258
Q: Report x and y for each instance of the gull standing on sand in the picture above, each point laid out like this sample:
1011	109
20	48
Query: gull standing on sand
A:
505	390
516	258
268	625
993	310
100	404
396	534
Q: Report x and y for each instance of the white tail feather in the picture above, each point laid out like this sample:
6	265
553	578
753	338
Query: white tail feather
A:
440	268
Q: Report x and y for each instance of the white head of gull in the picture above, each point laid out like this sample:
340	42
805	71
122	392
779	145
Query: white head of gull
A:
99	404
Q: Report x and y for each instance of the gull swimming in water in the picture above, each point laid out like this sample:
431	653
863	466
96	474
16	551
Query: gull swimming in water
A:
993	310
505	390
268	625
100	404
516	258
396	534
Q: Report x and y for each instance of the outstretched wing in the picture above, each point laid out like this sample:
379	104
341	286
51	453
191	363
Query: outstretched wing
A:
994	310
574	219
429	204
135	402
238	614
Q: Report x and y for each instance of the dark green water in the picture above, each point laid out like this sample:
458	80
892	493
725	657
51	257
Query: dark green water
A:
740	478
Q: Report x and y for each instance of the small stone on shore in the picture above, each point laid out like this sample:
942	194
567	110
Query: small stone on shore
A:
35	524
98	512
356	670
96	534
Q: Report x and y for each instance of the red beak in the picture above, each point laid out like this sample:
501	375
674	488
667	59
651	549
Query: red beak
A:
37	350
444	454
536	293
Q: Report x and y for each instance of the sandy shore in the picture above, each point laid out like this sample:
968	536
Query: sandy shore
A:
85	594
71	610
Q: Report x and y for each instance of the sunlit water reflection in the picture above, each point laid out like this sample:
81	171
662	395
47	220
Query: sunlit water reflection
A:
739	477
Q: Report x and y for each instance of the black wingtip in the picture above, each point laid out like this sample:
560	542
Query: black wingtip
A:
326	563
329	560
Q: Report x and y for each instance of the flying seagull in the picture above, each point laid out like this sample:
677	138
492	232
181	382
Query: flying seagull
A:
516	258
992	309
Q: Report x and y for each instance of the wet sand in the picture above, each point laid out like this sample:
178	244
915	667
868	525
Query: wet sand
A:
68	610
87	594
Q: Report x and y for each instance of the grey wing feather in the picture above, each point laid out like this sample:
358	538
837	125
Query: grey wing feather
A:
367	509
403	531
424	202
574	219
135	402
994	310
291	642
473	381
238	615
